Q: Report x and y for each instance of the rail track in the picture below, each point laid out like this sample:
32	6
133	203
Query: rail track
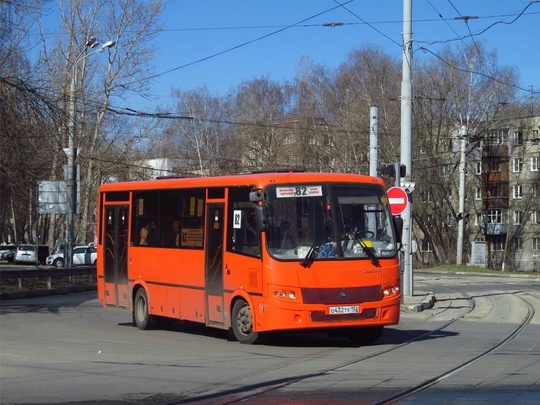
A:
451	309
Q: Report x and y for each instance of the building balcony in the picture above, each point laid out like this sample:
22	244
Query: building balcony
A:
489	203
491	151
495	229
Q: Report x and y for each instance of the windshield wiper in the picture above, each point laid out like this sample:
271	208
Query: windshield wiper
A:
311	252
368	251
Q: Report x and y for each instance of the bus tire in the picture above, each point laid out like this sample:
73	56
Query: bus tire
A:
141	315
365	335
242	323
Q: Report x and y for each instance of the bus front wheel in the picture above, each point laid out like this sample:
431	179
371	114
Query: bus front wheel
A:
141	316
242	323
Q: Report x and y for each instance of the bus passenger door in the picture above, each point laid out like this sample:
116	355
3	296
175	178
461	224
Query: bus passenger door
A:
214	264
115	256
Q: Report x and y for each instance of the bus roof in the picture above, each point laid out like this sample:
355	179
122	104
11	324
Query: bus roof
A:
260	180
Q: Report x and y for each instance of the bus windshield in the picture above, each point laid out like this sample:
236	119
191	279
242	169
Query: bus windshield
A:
329	222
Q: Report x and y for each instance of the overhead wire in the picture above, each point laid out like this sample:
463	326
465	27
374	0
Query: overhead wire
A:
234	47
472	36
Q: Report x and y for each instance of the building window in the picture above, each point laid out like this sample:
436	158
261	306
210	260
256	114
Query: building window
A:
534	164
328	140
518	245
518	217
448	196
495	137
497	244
517	191
426	196
518	138
444	170
425	246
477	193
478	219
494	217
517	165
534	190
536	244
534	217
494	166
478	166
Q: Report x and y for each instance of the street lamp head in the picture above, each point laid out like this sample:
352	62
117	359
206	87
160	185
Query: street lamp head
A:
108	44
92	42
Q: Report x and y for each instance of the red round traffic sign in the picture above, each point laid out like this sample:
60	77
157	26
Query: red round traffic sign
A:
398	200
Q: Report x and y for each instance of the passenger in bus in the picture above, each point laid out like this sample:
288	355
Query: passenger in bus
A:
172	239
148	234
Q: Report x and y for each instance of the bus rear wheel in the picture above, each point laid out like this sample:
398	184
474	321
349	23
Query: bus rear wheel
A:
242	324
141	316
365	335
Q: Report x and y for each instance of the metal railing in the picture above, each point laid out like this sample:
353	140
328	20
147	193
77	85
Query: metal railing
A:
17	283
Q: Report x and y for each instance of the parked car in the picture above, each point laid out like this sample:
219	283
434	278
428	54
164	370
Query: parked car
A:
7	252
31	254
82	256
60	247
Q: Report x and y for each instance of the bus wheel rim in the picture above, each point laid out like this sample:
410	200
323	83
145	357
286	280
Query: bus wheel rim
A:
244	320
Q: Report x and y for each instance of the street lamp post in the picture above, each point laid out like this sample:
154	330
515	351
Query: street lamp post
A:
71	152
461	208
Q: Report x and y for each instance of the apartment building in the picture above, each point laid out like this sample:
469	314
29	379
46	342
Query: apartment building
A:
503	182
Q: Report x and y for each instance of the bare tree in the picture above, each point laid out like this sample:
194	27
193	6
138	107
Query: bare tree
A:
119	70
259	104
462	87
197	132
368	78
26	113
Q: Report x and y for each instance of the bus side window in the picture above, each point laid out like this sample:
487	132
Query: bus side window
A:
244	232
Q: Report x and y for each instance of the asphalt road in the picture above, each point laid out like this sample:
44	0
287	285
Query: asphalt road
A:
479	343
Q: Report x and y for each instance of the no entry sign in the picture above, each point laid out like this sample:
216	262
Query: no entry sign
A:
398	200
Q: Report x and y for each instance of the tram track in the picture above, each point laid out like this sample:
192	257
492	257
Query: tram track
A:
252	394
429	383
445	311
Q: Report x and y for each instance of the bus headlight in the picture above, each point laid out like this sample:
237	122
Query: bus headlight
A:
392	290
284	294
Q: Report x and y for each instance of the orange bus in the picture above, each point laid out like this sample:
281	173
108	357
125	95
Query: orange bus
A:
252	253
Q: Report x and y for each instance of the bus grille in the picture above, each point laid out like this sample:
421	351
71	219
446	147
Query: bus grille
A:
340	296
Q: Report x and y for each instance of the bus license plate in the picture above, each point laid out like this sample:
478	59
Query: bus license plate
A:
353	309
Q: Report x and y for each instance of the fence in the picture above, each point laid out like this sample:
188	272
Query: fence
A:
43	281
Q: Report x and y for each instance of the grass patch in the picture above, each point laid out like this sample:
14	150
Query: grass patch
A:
454	268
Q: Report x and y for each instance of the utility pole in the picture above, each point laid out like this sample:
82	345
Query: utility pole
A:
461	208
406	144
373	140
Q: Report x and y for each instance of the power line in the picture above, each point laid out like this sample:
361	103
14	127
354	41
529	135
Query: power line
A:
476	72
235	47
460	38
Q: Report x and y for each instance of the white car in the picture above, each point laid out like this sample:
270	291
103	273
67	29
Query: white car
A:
82	256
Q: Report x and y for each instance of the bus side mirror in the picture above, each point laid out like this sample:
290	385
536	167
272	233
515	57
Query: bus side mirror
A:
398	224
255	196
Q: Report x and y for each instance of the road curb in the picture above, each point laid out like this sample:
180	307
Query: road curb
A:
418	303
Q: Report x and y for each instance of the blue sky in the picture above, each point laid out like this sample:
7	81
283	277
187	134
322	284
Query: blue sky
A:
239	40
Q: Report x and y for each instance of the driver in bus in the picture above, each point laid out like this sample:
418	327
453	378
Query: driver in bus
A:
351	223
